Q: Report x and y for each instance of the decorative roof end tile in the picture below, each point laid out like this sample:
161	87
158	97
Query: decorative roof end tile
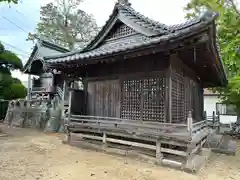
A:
208	15
124	2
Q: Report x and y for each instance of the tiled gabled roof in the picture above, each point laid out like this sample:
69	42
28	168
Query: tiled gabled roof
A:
45	43
152	32
142	20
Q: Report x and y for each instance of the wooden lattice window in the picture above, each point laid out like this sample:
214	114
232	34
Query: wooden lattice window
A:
178	113
120	31
143	99
131	97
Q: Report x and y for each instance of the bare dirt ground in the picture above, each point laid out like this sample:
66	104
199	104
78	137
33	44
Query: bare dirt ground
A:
31	155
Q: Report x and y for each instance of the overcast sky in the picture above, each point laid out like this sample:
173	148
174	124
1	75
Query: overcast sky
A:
26	15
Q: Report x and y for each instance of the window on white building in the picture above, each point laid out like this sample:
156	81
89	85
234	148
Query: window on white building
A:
226	109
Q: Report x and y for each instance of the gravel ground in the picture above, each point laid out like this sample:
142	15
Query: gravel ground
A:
31	155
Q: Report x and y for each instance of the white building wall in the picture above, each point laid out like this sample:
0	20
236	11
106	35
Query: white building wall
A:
210	106
227	119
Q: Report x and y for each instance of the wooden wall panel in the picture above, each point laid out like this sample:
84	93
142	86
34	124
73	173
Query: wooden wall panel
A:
186	93
103	98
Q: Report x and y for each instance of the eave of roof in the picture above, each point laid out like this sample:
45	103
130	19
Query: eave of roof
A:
34	51
54	46
134	42
124	10
208	92
42	43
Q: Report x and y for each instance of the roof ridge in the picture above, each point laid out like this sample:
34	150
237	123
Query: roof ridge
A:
54	45
207	16
142	17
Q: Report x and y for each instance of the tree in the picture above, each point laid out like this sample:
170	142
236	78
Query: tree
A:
65	25
15	91
228	32
9	1
10	88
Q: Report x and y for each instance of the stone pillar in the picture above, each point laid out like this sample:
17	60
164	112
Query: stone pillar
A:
29	87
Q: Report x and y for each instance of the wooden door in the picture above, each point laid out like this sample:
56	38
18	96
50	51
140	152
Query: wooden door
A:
104	98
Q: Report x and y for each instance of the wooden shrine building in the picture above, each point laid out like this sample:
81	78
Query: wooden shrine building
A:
144	82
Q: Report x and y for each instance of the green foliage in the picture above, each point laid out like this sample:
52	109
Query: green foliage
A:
10	88
15	91
9	60
65	25
228	33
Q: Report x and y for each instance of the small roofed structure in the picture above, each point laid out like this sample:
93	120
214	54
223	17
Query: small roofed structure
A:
144	83
36	66
42	48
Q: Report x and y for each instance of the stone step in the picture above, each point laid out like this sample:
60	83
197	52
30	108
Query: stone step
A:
224	143
213	141
228	148
197	161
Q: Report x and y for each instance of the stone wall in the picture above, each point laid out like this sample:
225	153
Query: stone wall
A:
42	115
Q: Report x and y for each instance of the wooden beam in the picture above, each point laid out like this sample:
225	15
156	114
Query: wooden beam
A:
172	163
147	146
88	136
97	118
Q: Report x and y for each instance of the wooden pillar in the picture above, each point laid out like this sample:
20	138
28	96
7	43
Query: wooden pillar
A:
218	121
141	105
69	105
168	97
85	86
204	115
63	96
104	140
190	123
213	122
159	155
202	102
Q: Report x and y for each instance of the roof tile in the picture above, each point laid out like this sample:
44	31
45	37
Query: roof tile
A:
165	33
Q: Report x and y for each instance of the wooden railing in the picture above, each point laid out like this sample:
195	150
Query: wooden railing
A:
39	89
213	121
182	140
145	128
199	126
